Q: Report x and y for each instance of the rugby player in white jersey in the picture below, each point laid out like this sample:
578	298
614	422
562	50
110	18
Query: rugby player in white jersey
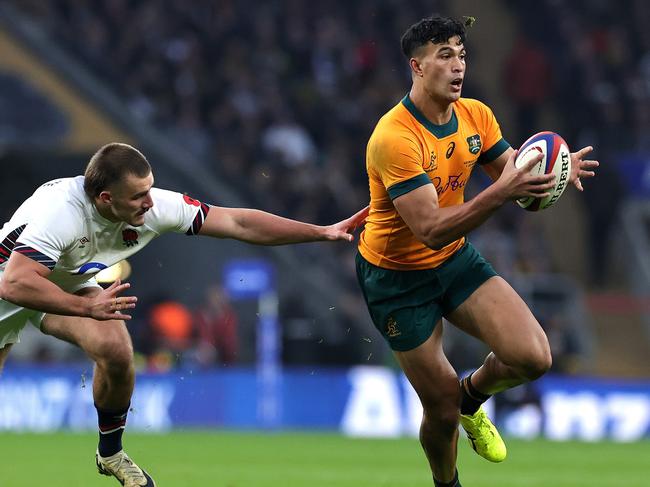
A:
72	228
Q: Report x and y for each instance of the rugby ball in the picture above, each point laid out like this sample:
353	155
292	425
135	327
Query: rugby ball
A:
557	160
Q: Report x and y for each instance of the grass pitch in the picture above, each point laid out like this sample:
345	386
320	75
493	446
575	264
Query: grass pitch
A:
227	459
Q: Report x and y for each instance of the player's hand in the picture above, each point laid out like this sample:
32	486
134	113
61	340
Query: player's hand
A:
343	229
107	305
515	183
581	168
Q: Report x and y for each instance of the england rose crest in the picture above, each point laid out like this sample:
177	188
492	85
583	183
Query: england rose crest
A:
130	237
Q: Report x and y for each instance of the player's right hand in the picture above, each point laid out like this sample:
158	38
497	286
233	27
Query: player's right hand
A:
108	305
519	183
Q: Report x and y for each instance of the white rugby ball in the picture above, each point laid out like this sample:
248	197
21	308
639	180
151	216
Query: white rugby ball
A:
556	160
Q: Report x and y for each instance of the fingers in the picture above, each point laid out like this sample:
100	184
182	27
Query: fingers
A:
540	186
533	162
116	283
359	218
584	169
348	237
589	164
362	214
117	305
512	157
544	179
113	316
352	223
531	194
116	288
583	152
120	316
578	184
124	302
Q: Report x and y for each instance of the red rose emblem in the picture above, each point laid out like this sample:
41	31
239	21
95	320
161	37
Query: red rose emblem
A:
130	237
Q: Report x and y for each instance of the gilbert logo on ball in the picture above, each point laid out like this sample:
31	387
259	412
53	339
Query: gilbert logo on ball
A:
556	160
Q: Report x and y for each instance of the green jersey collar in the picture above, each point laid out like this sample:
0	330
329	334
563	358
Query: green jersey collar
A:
439	131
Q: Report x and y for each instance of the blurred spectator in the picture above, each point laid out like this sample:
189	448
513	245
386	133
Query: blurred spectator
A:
171	328
216	329
528	83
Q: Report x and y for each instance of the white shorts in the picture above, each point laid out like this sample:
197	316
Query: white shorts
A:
14	318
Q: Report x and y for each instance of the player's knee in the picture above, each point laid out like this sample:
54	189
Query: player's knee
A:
441	394
537	363
115	352
442	420
441	408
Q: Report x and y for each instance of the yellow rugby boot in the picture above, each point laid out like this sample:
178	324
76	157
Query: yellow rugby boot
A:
483	436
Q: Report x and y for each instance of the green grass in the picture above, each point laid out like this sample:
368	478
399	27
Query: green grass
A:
226	459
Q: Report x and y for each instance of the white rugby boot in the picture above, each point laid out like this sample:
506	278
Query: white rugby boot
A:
124	470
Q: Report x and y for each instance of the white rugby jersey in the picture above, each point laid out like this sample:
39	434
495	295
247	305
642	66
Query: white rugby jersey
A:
60	227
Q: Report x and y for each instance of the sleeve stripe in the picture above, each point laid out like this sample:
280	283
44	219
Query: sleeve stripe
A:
407	186
9	242
493	152
35	255
200	217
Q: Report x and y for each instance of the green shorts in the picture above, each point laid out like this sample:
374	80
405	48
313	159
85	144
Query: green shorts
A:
406	305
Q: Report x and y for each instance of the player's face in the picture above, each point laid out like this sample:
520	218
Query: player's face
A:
131	199
443	69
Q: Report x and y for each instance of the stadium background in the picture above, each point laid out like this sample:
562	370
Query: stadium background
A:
269	105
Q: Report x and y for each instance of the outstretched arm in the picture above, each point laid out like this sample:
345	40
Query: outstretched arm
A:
25	283
262	228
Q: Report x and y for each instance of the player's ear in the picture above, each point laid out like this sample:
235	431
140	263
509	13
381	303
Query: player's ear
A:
416	67
106	197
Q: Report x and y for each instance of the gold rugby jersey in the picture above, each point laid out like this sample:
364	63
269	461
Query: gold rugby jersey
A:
406	151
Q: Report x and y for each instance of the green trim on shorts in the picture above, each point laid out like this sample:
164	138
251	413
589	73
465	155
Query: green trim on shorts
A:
405	306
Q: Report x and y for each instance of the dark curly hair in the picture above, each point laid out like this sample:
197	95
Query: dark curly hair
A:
434	29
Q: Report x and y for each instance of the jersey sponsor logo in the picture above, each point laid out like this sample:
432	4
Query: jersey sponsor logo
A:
391	328
130	237
91	268
470	164
474	143
51	183
191	201
454	182
450	149
431	164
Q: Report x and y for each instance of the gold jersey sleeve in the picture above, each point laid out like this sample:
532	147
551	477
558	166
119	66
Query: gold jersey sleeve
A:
406	151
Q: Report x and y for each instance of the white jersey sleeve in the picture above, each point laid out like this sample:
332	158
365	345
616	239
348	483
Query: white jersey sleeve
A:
52	230
176	212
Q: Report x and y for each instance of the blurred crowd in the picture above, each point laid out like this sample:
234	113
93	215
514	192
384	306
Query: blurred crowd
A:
279	98
597	56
